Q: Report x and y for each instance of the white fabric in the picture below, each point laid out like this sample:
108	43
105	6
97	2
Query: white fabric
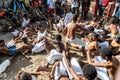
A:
24	35
104	44
15	33
54	54
75	41
98	31
69	74
4	65
38	47
25	22
10	43
76	66
102	72
60	71
68	18
59	25
50	3
41	35
74	4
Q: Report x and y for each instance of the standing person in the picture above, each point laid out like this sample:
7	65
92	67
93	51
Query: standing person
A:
74	6
58	7
95	8
102	6
85	8
50	4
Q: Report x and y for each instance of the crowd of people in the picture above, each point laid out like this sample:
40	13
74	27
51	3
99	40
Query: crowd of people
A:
97	42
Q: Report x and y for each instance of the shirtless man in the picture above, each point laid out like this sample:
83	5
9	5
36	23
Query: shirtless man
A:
8	51
106	61
71	29
113	28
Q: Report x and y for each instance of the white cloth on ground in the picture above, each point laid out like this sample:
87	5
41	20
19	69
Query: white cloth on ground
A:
34	78
102	72
38	47
4	65
54	54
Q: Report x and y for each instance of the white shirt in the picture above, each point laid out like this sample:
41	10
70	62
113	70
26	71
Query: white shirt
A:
25	22
68	18
50	3
74	4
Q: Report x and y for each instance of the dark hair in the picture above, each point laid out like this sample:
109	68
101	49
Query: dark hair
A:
1	41
25	15
75	18
118	40
25	40
105	32
89	72
95	19
25	76
91	28
94	36
106	52
112	20
58	37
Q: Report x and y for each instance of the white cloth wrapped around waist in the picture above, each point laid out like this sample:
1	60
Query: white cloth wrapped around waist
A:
60	71
4	65
38	47
54	54
15	33
41	35
102	72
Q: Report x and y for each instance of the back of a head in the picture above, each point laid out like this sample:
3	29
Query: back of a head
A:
89	72
112	20
106	52
91	28
58	37
1	41
94	36
75	17
25	76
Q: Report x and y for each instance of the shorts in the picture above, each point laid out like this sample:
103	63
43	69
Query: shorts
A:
13	50
51	10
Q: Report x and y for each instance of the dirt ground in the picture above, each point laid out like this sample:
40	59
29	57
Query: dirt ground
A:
20	62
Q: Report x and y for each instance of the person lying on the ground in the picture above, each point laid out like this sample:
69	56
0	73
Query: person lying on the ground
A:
115	45
55	53
88	72
103	61
21	75
26	20
8	50
58	26
113	28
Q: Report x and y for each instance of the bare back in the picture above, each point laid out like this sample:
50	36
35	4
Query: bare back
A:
71	30
113	29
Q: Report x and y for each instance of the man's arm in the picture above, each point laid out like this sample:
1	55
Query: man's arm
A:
76	77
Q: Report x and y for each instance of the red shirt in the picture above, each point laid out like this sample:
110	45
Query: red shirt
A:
105	2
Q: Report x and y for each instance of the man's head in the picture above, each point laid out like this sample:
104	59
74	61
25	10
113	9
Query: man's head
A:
25	76
105	32
89	72
2	43
58	37
106	53
25	40
112	20
94	36
75	18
